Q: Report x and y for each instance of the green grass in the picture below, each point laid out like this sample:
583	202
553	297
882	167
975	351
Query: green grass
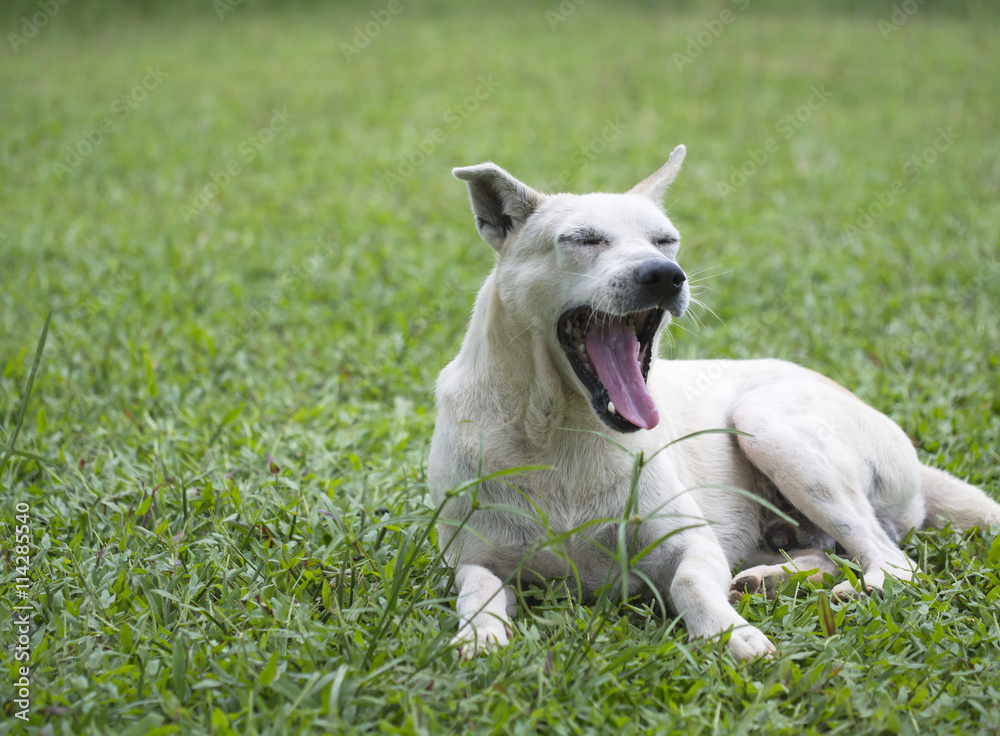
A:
229	520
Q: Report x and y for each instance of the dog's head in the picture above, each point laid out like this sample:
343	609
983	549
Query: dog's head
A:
595	274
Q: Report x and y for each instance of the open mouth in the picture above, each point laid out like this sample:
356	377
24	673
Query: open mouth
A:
611	356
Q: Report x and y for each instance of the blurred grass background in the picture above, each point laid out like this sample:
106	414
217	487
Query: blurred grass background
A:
263	354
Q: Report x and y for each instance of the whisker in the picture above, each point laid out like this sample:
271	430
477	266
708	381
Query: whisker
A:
582	275
702	289
682	327
607	298
701	282
595	307
709	310
517	336
710	276
676	201
670	340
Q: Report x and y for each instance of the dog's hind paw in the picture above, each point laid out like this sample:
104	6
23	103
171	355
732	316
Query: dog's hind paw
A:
844	591
752	581
748	643
483	636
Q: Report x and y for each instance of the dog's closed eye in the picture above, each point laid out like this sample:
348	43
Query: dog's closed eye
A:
665	240
585	236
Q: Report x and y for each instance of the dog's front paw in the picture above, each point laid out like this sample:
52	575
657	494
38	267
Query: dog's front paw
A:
748	643
482	635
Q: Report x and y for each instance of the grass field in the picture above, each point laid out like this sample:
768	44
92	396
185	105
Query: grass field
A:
257	262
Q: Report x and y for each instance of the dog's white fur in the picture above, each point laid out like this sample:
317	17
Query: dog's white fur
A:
511	399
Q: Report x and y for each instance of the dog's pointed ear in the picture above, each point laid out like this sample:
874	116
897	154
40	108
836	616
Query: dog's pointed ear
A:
500	202
655	185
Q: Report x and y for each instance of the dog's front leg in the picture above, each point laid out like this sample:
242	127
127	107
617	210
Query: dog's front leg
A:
699	592
483	618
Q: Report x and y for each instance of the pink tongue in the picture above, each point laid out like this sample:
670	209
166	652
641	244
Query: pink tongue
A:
611	348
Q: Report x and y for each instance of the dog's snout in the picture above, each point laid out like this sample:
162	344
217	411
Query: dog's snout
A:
660	278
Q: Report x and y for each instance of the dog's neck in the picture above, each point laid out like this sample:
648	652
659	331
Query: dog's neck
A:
508	370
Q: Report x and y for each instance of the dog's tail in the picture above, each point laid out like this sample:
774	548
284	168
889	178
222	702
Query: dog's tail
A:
948	499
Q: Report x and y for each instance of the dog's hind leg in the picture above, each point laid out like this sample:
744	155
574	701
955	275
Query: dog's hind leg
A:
484	604
766	577
847	468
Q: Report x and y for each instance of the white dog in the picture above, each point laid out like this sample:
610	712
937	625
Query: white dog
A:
559	371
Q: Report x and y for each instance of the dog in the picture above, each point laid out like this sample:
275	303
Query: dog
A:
555	453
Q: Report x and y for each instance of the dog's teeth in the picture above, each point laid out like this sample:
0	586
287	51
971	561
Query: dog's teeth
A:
568	329
582	349
576	333
611	408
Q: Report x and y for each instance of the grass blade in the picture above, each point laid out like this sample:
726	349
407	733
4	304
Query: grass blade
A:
27	393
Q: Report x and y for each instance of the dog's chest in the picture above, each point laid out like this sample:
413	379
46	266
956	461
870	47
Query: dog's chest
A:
582	483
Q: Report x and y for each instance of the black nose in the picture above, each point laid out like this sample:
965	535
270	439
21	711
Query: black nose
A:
660	278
